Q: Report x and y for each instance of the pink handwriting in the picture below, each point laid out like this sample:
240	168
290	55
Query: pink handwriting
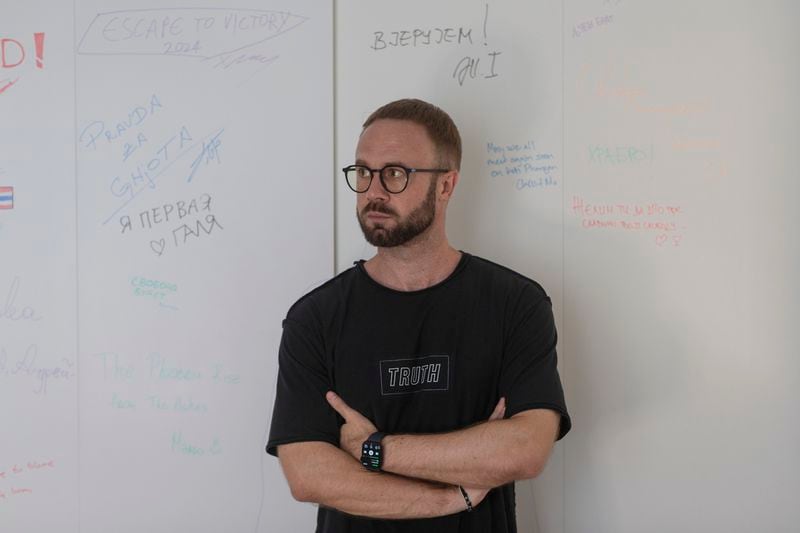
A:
649	216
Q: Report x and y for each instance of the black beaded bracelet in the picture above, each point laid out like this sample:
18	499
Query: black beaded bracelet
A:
466	498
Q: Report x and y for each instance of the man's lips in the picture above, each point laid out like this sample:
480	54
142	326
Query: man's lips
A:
377	215
375	212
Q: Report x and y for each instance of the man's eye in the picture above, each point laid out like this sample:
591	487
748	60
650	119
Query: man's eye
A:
395	172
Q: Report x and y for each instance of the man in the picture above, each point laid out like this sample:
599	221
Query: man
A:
415	387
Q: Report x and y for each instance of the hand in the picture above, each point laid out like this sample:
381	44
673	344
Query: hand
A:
476	496
356	429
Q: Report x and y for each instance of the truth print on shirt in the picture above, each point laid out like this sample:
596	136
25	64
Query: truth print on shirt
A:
419	374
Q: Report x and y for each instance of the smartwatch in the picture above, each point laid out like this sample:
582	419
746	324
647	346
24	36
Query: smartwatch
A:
372	452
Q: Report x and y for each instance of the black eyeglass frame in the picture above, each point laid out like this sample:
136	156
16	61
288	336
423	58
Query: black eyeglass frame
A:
380	172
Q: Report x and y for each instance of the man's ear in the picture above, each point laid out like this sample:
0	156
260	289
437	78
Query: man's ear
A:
448	184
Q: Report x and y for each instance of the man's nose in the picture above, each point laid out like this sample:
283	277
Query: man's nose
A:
376	190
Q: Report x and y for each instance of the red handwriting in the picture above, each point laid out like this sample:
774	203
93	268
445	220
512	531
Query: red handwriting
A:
38	40
34	465
15	491
19	471
649	216
6	84
13	55
30	466
5	53
580	206
12	51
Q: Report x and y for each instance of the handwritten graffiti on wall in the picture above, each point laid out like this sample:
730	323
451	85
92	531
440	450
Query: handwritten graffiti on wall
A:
530	167
19	479
15	54
193	32
662	221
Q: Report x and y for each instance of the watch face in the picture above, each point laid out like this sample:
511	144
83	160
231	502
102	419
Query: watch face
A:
371	455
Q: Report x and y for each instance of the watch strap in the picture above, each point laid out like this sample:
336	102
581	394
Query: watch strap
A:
376	437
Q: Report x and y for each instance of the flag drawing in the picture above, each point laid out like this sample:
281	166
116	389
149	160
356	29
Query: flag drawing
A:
6	197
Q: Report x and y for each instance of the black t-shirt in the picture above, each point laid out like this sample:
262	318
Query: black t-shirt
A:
426	361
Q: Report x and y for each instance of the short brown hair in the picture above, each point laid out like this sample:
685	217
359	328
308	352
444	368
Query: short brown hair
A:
440	127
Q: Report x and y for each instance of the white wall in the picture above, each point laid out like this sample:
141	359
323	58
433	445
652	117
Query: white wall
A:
658	209
665	233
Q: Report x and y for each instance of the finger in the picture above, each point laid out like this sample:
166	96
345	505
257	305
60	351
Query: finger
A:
499	410
340	406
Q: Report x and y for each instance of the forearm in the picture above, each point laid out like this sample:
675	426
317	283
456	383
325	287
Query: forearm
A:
320	473
486	455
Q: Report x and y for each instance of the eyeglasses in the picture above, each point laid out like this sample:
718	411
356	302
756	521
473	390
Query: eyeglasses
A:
394	178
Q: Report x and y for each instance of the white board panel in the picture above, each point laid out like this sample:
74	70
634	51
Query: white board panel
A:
170	202
679	266
38	300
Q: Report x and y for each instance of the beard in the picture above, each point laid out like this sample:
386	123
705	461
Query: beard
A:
413	225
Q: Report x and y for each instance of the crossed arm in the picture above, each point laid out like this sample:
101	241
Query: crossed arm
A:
319	472
421	472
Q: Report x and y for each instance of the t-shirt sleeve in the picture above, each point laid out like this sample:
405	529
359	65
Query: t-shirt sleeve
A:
301	412
529	376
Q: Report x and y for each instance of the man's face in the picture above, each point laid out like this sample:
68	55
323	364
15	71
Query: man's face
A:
386	219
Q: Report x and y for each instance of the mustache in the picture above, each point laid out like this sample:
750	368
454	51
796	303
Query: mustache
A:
377	207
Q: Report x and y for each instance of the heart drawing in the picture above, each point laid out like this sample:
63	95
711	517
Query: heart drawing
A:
158	246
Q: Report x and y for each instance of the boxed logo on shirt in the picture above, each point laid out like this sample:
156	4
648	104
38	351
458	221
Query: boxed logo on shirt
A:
404	376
